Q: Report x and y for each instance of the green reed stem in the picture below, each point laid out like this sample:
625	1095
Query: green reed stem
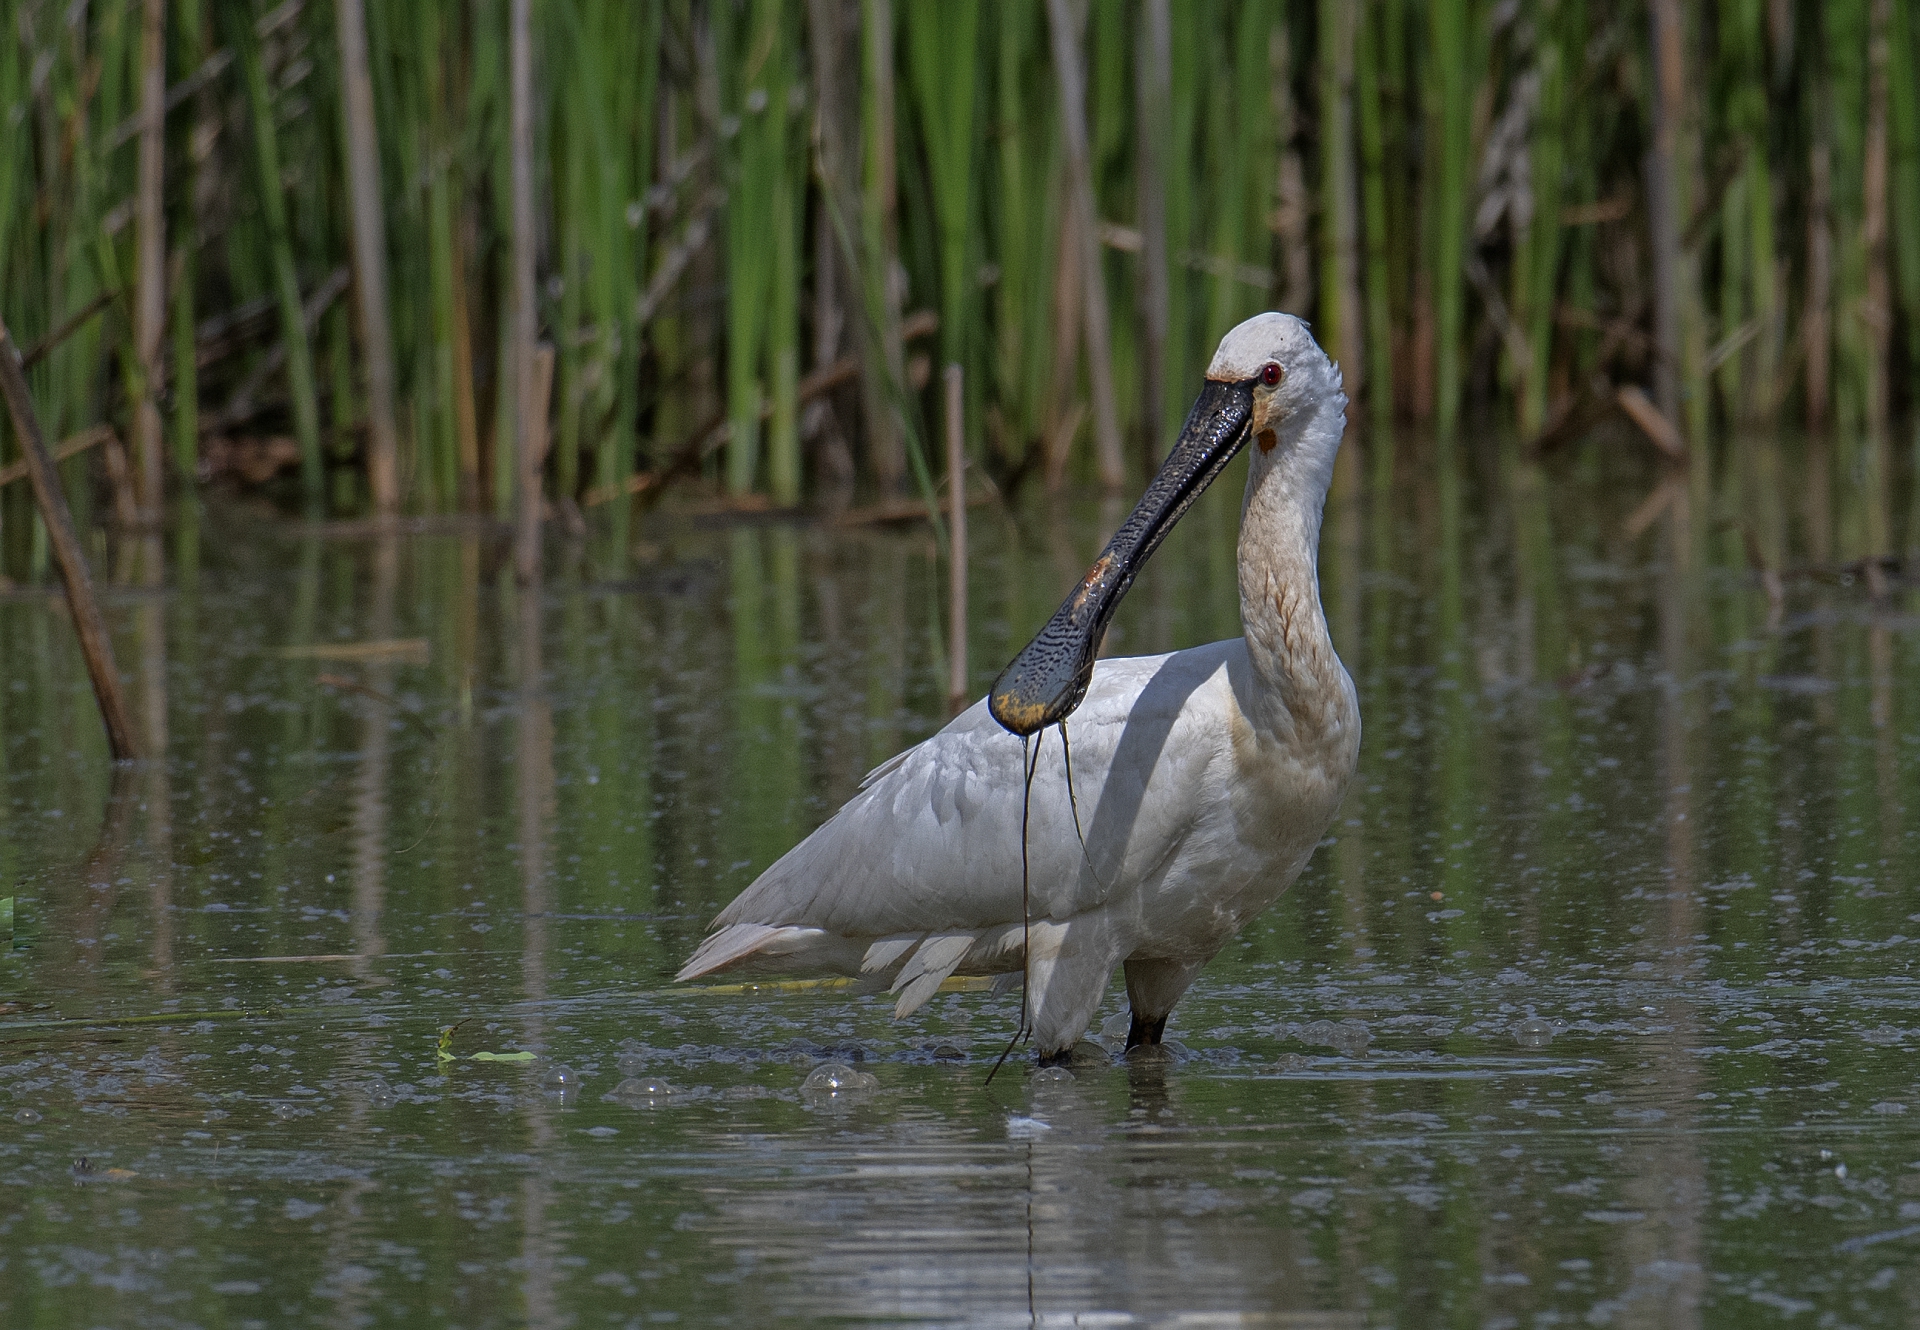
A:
1370	130
1449	94
286	280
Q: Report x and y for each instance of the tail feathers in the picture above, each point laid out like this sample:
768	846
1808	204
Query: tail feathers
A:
920	978
736	941
916	964
888	951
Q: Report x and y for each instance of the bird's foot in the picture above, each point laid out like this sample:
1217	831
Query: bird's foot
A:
1063	1058
1145	1032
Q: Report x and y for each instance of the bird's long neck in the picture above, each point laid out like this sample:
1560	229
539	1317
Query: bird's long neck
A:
1302	692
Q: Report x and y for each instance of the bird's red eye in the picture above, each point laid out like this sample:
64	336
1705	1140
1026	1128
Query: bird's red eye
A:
1270	374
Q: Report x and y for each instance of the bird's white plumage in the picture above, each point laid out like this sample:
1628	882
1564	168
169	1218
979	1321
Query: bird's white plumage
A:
1200	783
1242	353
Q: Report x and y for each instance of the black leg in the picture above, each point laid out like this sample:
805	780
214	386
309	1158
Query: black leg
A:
1061	1059
1145	1032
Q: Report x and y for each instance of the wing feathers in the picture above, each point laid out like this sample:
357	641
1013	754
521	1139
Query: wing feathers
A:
920	873
773	947
729	945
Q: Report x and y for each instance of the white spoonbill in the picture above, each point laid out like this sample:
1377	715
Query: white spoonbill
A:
1200	780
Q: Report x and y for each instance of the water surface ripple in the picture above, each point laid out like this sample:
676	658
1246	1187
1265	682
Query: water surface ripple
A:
1597	1007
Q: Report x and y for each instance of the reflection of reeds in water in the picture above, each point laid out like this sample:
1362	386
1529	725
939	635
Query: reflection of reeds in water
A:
765	577
373	786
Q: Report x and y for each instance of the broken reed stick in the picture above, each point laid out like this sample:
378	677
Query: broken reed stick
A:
957	543
45	347
159	1018
72	446
91	629
1653	422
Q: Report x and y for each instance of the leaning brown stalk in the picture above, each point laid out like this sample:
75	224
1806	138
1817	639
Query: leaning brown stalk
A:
91	628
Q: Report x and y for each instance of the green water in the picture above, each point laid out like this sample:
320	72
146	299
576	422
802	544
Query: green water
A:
1604	789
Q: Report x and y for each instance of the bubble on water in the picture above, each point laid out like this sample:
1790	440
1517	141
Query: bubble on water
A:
1533	1032
631	1060
1114	1030
1152	1055
1089	1054
1822	1161
1043	1076
603	1131
831	1078
560	1079
285	1111
1289	1062
948	1053
379	1093
26	1117
1887	1106
1022	1128
641	1090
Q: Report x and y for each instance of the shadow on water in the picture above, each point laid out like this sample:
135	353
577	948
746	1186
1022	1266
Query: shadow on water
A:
1597	1007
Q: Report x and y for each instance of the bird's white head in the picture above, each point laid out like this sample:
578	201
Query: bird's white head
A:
1269	384
1299	408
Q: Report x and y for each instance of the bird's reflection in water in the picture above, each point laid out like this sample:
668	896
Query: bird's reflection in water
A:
1078	1197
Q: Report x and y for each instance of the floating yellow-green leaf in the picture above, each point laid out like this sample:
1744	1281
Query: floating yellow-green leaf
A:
444	1050
500	1057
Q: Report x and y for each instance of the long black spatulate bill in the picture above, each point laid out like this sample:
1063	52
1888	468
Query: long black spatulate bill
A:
1046	681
